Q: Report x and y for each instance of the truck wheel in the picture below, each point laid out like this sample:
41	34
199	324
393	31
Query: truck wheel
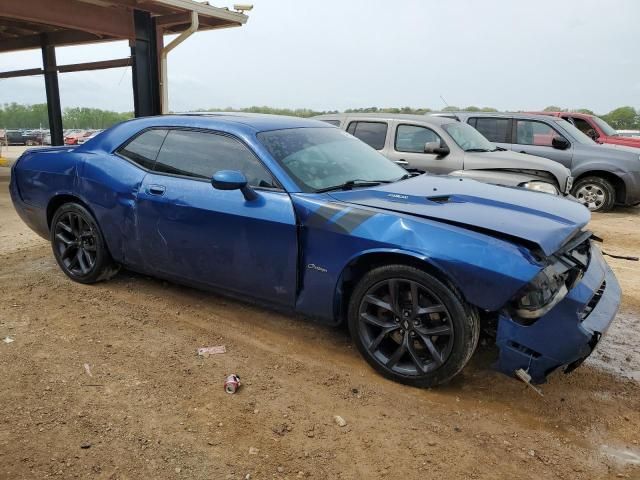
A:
78	245
596	193
411	327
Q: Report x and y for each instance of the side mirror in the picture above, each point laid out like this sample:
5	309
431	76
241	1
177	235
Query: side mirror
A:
233	180
436	148
560	143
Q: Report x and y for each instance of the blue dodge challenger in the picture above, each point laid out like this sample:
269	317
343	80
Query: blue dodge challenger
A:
300	215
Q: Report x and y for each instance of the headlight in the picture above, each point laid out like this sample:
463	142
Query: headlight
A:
539	186
542	294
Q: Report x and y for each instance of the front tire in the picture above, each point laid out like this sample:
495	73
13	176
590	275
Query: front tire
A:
411	327
78	245
596	193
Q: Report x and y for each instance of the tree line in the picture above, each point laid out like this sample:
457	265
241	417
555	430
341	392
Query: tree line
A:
13	115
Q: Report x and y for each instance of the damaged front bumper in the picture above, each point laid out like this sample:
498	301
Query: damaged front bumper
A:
567	334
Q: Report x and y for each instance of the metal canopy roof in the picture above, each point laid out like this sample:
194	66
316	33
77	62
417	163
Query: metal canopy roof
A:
24	24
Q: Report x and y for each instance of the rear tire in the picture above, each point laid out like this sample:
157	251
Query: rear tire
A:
411	327
596	193
78	245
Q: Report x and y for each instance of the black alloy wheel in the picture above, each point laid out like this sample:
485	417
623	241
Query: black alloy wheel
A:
75	242
411	327
78	245
405	326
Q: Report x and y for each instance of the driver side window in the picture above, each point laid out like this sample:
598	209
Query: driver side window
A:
200	154
584	126
529	132
411	138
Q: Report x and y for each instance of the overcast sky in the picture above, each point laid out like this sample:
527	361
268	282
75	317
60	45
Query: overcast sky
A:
330	54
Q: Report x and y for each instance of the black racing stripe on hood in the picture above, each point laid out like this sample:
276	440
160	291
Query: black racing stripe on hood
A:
353	219
345	224
321	216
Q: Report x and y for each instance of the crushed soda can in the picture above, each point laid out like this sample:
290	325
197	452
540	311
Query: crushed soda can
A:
232	383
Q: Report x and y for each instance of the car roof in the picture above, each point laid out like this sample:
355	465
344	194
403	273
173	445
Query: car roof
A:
573	114
386	116
240	124
523	115
255	121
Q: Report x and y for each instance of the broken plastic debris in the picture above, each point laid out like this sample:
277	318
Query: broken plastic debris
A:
341	422
8	340
87	368
526	378
206	351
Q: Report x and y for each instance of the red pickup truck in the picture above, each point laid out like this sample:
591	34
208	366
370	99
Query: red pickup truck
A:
596	128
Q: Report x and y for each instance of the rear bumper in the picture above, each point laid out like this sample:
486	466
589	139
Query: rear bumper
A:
35	218
566	335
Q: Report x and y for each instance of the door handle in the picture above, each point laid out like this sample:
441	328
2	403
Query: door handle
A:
156	189
522	151
402	162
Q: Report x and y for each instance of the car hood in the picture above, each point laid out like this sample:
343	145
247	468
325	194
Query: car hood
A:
513	160
622	140
531	217
624	147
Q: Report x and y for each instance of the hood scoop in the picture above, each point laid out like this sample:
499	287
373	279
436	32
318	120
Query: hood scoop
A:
443	199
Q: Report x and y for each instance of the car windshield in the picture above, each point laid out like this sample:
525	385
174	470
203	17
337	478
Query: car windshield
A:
608	130
468	138
322	158
577	135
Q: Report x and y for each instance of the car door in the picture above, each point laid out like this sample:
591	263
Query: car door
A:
496	129
535	137
408	145
191	231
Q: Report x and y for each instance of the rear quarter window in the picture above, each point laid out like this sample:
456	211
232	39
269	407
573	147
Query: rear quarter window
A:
143	149
373	134
495	129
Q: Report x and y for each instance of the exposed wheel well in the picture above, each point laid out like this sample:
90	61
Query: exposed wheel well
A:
615	180
353	272
59	200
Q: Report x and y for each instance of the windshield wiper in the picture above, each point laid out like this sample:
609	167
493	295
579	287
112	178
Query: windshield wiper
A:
478	150
349	184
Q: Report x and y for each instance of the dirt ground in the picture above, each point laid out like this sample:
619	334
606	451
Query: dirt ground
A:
152	408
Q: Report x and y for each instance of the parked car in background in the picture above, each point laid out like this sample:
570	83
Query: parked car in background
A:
603	175
15	137
33	137
302	216
88	136
71	137
446	146
595	128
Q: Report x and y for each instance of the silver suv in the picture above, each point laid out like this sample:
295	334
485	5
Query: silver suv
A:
447	146
604	174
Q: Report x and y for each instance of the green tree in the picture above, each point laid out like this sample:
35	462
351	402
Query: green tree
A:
13	115
553	108
622	118
585	110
